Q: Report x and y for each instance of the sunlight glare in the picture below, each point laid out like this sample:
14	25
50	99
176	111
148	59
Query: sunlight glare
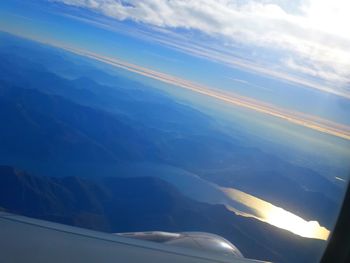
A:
277	216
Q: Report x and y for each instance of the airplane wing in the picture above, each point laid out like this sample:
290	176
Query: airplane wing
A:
24	239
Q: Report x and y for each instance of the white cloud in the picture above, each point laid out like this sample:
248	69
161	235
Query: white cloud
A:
311	37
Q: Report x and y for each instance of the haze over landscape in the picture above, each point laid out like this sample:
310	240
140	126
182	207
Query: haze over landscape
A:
124	120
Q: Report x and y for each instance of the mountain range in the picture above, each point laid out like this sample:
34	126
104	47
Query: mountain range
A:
102	150
144	204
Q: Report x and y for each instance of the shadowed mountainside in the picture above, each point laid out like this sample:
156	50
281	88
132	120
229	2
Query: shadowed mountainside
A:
52	129
143	204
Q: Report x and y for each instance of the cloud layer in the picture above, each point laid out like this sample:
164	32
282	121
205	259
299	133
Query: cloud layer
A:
309	37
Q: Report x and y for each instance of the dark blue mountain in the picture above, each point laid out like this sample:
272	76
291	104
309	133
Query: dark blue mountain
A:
47	128
141	204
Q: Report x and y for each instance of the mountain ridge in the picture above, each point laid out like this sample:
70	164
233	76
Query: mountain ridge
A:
144	204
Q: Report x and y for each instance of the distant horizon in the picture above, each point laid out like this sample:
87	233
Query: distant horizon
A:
307	121
280	74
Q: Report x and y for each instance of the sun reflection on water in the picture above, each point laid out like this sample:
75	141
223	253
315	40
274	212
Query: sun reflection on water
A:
277	216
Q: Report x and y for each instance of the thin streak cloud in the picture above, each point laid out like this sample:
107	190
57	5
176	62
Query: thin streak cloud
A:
310	32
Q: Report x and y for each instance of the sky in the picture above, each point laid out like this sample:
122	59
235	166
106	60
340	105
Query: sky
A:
308	38
292	54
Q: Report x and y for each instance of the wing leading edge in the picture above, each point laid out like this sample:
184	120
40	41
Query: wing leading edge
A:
24	239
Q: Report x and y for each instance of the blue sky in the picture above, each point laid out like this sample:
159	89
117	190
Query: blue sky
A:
199	42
